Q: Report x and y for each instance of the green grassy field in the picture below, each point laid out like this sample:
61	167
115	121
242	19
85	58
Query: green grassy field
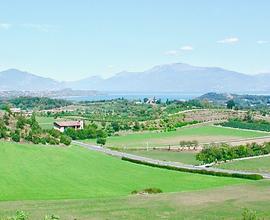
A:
203	134
45	122
258	165
182	157
209	204
31	172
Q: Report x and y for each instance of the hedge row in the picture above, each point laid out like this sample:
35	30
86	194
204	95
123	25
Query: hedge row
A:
251	125
207	172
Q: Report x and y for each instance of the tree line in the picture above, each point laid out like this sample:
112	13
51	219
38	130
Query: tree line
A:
225	152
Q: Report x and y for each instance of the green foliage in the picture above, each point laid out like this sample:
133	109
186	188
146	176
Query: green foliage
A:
136	126
36	139
247	124
6	119
3	129
147	191
64	139
52	217
6	108
230	104
20	215
249	215
15	137
225	152
21	122
189	143
39	103
101	140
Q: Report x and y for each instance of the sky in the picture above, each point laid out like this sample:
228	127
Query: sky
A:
74	39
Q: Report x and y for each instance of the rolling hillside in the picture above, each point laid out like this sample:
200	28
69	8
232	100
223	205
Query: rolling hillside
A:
31	172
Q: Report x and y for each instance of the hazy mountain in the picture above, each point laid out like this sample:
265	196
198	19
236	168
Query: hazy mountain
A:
85	84
163	78
13	79
175	77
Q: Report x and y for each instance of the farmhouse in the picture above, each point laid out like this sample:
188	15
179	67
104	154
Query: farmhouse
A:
61	126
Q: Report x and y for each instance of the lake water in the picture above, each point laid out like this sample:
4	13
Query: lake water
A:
134	96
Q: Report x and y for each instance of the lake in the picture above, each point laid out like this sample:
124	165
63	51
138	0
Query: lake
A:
134	96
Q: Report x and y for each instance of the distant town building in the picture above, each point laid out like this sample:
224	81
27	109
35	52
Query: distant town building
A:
63	125
15	110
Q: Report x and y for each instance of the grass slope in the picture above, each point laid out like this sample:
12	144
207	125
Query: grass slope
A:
202	134
30	172
261	165
211	204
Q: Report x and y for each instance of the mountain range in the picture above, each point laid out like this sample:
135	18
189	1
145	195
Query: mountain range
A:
176	77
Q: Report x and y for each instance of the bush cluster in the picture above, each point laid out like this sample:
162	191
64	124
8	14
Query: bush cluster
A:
226	152
20	128
147	191
251	125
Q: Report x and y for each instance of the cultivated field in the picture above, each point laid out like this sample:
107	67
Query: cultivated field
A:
261	165
203	134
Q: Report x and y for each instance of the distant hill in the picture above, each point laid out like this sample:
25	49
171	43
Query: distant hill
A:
176	77
13	79
242	101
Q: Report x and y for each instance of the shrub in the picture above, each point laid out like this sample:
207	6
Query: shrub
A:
20	215
148	191
43	140
66	140
101	141
15	137
36	139
249	215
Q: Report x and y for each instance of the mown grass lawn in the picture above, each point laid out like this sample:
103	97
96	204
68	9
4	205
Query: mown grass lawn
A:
204	134
257	165
226	202
45	122
32	172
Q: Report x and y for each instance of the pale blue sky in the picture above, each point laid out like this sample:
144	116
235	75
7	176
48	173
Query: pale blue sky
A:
73	39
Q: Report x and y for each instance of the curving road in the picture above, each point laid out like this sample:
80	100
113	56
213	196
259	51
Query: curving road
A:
159	162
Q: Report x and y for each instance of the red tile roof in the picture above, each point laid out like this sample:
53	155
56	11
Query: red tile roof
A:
68	123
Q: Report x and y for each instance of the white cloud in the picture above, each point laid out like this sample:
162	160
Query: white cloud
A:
186	48
5	26
262	42
39	27
229	40
171	52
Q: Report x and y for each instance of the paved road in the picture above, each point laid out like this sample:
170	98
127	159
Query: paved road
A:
159	162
